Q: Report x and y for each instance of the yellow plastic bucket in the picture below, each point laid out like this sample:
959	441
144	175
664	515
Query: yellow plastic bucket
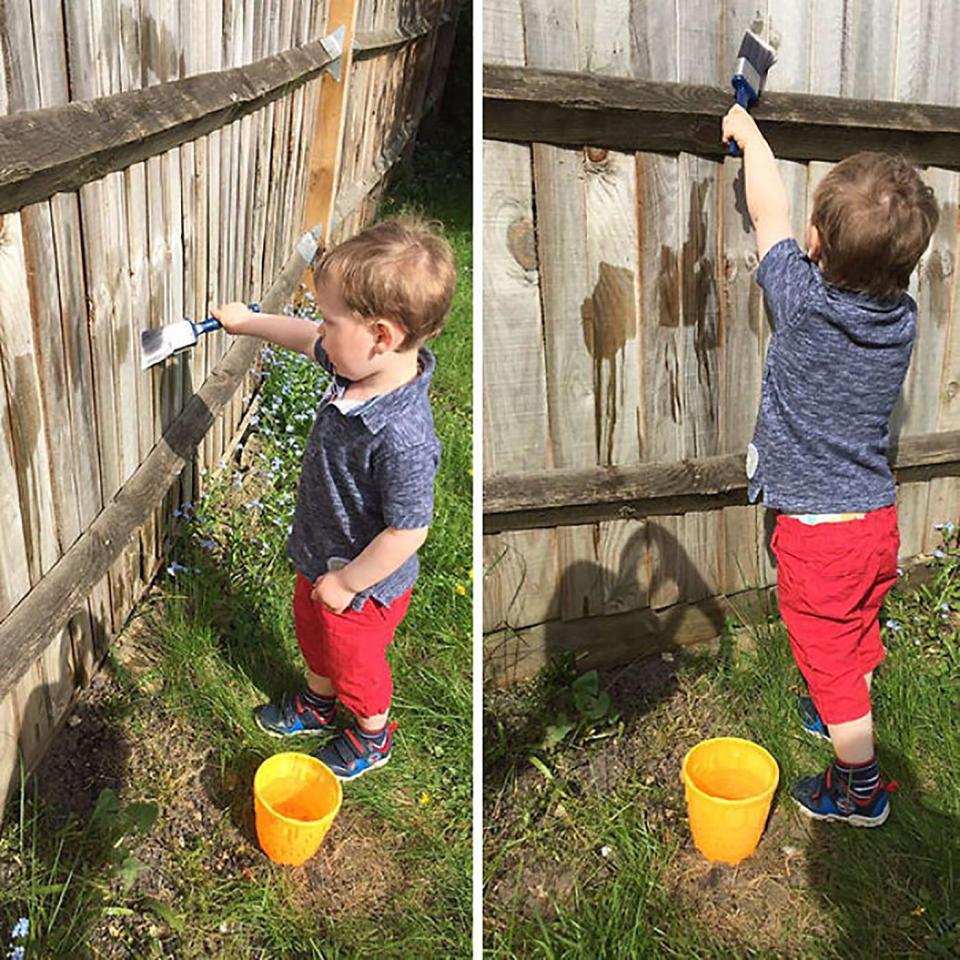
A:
729	784
295	798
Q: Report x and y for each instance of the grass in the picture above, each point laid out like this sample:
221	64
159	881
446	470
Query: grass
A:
587	847
136	838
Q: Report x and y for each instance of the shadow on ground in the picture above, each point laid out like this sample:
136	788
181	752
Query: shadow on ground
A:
49	821
879	884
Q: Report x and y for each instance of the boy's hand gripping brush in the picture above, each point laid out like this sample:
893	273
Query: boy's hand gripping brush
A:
162	342
750	74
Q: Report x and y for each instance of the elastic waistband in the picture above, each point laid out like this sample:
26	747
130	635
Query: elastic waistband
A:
816	519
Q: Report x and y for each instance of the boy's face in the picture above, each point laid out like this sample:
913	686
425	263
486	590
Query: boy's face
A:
355	347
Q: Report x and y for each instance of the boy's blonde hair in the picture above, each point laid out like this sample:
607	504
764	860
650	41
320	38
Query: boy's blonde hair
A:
875	216
400	270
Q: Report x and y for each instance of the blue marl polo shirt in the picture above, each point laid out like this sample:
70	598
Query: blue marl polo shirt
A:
364	470
833	372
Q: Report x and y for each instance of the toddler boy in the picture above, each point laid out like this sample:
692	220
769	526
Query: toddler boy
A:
365	499
843	332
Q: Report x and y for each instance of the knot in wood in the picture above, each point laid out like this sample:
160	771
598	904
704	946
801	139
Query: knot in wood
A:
522	243
596	155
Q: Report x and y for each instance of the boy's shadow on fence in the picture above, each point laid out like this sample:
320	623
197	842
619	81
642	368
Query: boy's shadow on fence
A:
891	889
637	690
639	687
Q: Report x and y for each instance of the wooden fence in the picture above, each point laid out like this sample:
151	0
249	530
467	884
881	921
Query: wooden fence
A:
159	156
624	334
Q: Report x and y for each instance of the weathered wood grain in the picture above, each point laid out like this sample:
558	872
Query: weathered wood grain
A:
514	383
374	43
31	474
48	151
53	600
520	571
571	496
521	579
568	108
14	572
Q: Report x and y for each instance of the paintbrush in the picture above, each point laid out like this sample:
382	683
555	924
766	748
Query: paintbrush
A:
156	345
750	74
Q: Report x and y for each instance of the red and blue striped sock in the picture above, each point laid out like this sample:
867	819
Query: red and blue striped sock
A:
323	705
860	779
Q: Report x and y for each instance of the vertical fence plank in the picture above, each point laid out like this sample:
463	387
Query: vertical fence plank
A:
30	83
514	384
561	217
923	73
937	285
30	457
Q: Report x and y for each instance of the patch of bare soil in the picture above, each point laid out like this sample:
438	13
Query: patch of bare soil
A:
666	710
355	872
762	903
204	834
88	754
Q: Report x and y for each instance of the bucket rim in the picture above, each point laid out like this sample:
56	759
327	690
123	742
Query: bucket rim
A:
311	761
688	780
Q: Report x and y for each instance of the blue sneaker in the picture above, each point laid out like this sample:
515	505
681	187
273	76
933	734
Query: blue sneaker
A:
352	755
810	718
293	718
819	798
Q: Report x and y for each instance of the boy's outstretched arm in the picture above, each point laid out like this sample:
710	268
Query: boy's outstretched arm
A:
294	333
384	554
766	196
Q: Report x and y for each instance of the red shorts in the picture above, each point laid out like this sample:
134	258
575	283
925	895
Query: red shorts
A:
349	648
831	580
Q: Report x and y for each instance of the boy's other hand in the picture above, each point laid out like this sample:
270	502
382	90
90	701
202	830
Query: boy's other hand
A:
232	316
740	126
332	592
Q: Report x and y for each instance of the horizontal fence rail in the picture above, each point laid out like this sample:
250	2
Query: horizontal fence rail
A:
567	497
25	630
373	43
59	149
566	108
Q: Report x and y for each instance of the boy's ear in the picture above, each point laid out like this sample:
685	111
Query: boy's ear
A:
813	243
387	336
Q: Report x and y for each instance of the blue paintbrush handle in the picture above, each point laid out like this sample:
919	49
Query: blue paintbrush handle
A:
207	326
211	323
745	97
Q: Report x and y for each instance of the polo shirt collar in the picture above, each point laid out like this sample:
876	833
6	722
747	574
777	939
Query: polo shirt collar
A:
378	411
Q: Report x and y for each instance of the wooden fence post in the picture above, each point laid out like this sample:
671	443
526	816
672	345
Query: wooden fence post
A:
327	146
